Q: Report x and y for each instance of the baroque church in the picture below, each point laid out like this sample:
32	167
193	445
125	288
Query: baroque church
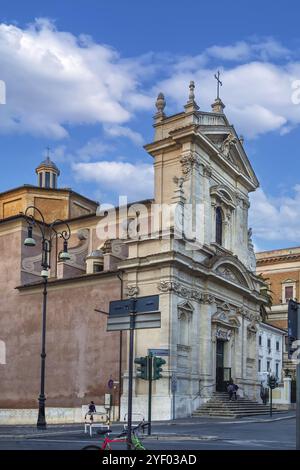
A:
209	295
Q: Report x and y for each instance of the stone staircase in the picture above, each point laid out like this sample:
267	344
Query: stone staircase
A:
220	406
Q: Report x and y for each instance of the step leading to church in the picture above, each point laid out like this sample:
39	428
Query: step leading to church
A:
220	406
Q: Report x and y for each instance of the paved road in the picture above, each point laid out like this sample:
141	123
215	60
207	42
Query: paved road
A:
202	434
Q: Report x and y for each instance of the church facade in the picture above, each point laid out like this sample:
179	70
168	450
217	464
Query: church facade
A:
190	245
209	293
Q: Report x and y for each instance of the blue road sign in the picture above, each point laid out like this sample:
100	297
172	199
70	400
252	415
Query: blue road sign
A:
146	309
138	305
159	352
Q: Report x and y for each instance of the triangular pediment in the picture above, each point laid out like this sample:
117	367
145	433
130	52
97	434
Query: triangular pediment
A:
186	305
220	316
225	318
230	150
185	310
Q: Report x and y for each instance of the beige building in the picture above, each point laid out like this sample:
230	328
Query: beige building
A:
281	269
190	245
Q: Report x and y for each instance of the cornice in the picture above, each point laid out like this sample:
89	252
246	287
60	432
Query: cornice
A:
276	259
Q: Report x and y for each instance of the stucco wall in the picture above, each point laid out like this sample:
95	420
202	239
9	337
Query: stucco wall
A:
81	355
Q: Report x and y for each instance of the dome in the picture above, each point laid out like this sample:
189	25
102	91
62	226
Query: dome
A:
48	163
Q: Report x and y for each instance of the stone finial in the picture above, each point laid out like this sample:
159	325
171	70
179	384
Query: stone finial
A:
192	90
191	103
218	106
242	139
160	103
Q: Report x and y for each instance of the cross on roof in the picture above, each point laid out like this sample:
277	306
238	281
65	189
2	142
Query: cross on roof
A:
219	83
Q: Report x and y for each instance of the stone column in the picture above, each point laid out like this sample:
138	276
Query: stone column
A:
208	209
206	346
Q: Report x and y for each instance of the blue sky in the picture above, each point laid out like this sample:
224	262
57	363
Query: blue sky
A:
82	77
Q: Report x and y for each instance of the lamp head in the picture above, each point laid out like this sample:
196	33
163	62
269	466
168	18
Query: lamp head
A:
65	255
29	241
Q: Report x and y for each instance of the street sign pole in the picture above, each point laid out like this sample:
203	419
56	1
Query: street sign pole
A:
271	401
130	370
131	314
298	386
150	361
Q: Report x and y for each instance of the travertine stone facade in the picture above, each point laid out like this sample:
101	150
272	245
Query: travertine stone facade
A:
209	293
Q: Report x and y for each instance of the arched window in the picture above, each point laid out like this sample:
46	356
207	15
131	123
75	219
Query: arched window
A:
219	223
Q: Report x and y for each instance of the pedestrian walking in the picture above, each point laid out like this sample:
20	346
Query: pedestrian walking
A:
236	387
230	390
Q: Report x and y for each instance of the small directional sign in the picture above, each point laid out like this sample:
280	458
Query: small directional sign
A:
158	352
145	309
139	305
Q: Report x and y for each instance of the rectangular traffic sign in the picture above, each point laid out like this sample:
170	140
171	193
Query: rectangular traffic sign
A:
145	309
146	304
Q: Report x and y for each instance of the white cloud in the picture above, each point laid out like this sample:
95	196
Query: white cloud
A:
132	180
122	131
244	51
239	51
276	219
257	95
93	149
253	120
54	78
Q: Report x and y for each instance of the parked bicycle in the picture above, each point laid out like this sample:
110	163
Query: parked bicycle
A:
135	443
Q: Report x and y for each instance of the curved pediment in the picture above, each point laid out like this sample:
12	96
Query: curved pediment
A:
231	269
223	194
232	274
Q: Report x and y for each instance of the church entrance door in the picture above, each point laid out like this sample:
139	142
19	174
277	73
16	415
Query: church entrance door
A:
223	374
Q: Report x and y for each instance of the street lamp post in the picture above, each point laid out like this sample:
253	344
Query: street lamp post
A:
48	232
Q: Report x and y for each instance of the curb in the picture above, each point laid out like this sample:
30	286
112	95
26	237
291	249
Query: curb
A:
35	435
267	420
